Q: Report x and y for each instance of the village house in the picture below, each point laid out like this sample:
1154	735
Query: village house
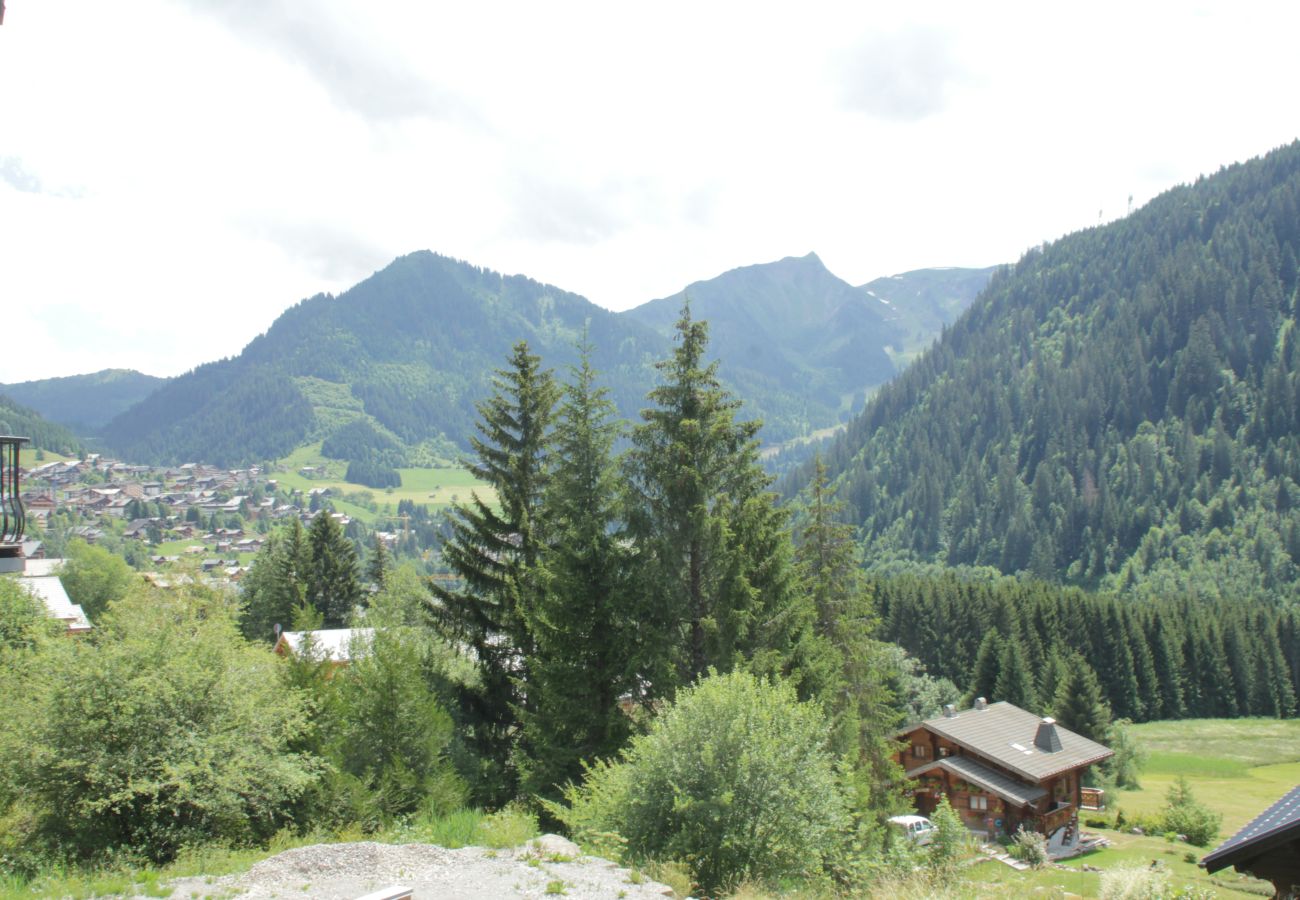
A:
338	646
1002	768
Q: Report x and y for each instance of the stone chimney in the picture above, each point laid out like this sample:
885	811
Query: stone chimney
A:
981	703
1047	739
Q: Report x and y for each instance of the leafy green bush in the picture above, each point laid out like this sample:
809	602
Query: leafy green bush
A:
1184	815
733	779
162	728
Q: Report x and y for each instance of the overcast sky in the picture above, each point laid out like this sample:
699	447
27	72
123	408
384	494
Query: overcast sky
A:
175	173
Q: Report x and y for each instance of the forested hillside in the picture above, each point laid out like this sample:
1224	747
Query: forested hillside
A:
19	420
401	358
1118	409
84	402
1008	639
408	351
803	347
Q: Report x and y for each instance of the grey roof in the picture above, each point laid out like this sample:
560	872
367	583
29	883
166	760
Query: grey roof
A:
969	769
1276	825
1005	734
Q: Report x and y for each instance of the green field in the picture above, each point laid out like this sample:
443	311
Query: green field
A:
430	487
1238	767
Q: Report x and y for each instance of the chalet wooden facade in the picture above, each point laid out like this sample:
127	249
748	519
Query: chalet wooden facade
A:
1002	768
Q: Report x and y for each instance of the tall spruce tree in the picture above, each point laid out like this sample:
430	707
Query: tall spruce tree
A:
276	583
333	578
583	628
842	661
1080	705
1015	684
496	552
715	577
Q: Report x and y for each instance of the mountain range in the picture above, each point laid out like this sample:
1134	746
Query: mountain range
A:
401	359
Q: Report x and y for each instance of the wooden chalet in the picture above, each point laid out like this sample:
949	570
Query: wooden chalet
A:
1002	768
1267	848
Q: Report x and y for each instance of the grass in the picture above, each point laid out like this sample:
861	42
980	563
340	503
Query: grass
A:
1127	850
1237	767
428	487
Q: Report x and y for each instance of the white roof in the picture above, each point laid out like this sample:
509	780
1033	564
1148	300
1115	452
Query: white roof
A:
333	644
49	590
42	566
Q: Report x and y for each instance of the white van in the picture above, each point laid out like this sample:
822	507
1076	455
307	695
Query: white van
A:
918	829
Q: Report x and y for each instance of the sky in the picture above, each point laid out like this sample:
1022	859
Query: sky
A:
176	173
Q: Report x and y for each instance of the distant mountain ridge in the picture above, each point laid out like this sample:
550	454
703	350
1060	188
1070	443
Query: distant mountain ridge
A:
84	402
410	350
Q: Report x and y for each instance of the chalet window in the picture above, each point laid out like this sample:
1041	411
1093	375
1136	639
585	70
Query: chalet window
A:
944	751
979	802
920	751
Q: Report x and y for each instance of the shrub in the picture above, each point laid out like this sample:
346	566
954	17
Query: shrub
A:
1030	847
163	728
733	779
1184	815
949	842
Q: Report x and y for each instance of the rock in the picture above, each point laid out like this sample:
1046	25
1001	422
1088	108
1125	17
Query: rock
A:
1136	830
552	846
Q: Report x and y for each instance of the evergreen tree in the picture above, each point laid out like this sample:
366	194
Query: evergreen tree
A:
582	629
496	551
1167	660
1079	703
714	570
853	673
276	583
988	666
378	564
1015	684
333	580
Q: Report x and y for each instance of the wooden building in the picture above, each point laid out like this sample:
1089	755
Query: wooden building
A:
1268	848
1002	768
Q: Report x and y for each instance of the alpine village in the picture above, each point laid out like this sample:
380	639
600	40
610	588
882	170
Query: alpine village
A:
963	582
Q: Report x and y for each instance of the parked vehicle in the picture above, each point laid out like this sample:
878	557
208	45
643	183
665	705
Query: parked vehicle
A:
918	829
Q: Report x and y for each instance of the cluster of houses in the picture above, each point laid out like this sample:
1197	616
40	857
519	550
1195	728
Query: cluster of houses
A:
202	505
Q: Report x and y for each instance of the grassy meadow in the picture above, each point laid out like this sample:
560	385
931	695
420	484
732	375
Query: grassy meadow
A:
431	487
1237	767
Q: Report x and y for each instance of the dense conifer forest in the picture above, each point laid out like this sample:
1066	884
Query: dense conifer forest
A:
1118	410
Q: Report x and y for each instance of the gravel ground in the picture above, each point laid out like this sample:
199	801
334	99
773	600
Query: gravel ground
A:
347	871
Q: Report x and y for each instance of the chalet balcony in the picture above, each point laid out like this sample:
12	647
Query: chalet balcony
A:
1060	815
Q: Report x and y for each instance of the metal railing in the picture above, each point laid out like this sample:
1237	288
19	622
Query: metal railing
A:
13	518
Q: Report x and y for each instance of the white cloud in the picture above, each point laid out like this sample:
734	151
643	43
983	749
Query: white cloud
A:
174	173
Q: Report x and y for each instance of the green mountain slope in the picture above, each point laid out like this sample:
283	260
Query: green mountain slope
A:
803	347
410	350
921	302
16	419
1120	408
84	402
